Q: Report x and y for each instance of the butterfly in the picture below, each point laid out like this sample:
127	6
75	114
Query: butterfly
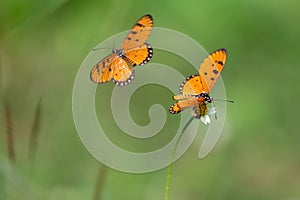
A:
118	66
194	91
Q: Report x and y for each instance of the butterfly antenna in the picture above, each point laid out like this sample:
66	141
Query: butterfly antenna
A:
114	43
226	100
95	49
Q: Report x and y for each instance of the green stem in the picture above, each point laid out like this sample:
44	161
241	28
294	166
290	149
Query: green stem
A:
172	157
100	182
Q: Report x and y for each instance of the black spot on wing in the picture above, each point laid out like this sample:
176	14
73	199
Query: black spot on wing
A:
134	32
139	24
215	71
97	68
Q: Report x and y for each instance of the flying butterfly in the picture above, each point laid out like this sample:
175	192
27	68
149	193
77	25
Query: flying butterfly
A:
194	91
118	66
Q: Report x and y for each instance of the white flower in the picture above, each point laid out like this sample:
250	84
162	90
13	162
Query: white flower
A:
206	118
203	112
212	111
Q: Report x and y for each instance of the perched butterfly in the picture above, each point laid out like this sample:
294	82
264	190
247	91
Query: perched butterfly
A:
134	50
194	91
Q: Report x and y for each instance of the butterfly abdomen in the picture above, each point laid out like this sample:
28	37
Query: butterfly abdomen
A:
200	109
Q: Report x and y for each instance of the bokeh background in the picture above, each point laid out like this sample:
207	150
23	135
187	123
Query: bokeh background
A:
43	44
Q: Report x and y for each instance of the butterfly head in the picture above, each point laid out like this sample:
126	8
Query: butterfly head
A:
206	97
119	53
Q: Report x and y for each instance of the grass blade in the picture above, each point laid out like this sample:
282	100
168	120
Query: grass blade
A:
34	131
10	135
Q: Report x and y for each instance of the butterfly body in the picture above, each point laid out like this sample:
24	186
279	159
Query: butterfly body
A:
118	66
194	91
119	52
200	109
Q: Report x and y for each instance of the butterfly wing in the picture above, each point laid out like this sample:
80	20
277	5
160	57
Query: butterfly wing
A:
192	85
183	104
122	72
139	55
139	33
183	96
211	68
136	51
189	88
103	70
209	72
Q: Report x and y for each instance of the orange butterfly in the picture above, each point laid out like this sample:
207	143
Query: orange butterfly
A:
194	91
118	66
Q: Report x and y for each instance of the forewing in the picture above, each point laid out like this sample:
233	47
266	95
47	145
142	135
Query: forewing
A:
192	85
139	33
211	67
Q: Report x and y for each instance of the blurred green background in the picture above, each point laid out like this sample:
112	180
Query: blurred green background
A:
43	44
